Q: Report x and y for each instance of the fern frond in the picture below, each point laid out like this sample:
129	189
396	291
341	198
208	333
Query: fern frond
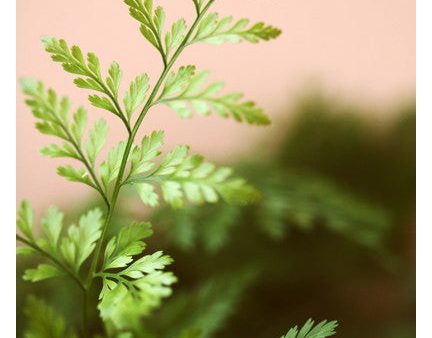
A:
90	74
184	92
140	283
322	330
53	118
183	177
217	31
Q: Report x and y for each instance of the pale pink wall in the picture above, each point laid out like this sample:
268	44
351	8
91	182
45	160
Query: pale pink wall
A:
364	49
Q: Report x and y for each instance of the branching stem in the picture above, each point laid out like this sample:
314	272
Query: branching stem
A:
131	139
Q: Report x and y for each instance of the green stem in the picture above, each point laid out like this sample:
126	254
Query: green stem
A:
131	139
85	318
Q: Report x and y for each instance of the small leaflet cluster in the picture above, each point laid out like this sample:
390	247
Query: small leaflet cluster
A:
183	177
184	93
53	118
217	31
70	248
322	330
89	70
139	283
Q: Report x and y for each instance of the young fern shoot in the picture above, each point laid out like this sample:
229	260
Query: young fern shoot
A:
133	282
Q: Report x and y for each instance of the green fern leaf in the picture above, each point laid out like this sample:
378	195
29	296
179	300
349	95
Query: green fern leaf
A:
174	37
215	31
42	272
120	249
322	330
114	77
151	22
102	102
52	225
75	175
96	141
138	287
184	177
110	168
73	61
25	219
79	243
185	94
142	156
135	96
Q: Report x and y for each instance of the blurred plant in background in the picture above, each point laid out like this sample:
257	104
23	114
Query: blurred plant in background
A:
333	236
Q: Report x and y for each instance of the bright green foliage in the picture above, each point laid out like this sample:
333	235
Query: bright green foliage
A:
54	119
52	225
140	284
96	141
213	30
176	82
43	271
25	219
114	77
75	175
142	157
184	93
135	96
174	37
89	70
120	250
151	21
109	169
70	250
44	321
79	243
321	330
184	177
132	283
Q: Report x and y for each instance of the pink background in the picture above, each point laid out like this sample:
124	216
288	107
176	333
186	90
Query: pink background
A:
362	50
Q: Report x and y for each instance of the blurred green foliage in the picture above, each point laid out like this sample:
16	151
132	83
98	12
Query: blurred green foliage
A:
332	238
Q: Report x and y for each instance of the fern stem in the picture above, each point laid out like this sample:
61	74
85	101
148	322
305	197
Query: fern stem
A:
131	139
85	319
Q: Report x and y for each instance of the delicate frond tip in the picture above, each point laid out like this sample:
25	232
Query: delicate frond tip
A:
90	75
151	21
184	92
217	31
183	177
25	219
321	330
